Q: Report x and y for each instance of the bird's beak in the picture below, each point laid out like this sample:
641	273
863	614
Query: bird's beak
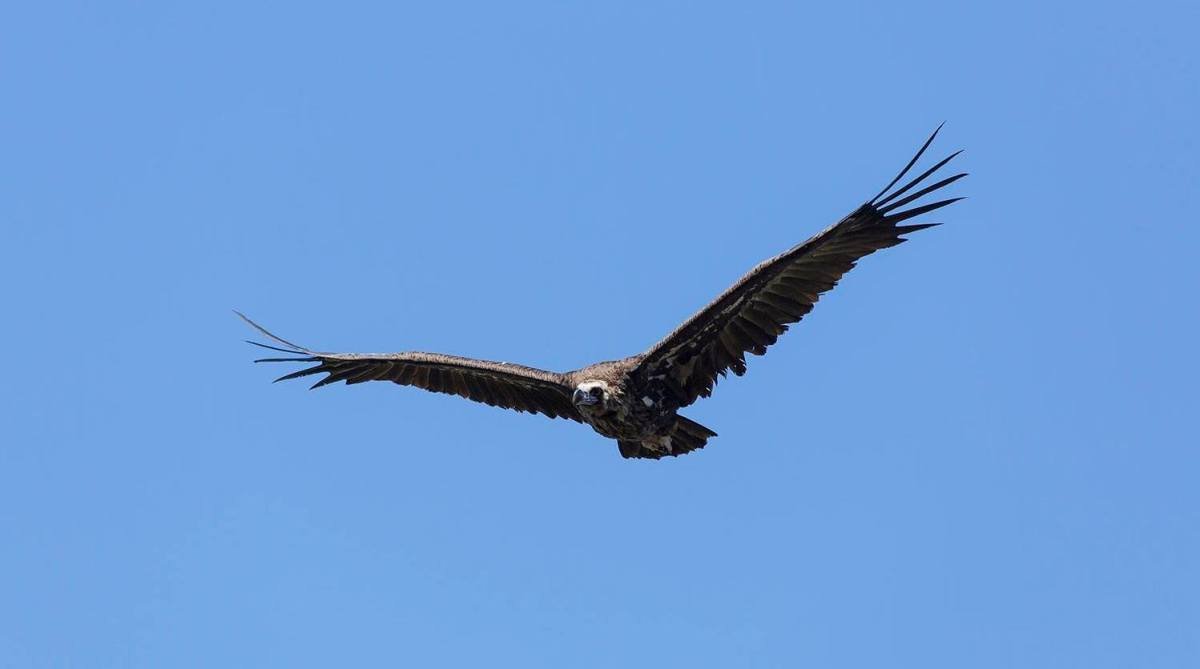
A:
581	397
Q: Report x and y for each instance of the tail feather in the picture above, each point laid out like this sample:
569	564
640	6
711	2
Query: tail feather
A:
686	436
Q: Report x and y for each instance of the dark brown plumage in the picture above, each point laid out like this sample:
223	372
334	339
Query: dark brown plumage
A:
634	400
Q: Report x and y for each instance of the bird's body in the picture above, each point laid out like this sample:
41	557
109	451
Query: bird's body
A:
636	400
634	410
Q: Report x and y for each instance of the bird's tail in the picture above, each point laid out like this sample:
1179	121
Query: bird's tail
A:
686	436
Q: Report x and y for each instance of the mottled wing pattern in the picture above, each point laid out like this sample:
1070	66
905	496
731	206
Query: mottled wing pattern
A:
750	315
495	383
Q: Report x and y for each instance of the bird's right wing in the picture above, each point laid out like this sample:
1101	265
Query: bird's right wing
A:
499	384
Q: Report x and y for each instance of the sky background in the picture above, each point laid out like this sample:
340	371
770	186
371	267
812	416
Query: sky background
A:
979	451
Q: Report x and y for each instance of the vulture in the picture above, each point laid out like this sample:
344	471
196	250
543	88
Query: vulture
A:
636	400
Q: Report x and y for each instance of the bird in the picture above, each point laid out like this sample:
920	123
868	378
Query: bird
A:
636	400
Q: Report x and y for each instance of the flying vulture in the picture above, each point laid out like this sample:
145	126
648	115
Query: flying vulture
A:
635	400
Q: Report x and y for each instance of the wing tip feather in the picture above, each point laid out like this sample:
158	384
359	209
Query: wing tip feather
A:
883	203
296	348
911	162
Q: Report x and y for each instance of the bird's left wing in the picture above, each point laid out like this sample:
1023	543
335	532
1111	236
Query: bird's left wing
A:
751	314
499	384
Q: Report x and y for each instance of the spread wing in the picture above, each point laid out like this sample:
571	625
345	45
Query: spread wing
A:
751	314
496	383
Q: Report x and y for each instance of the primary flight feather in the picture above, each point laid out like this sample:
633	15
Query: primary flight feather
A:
635	400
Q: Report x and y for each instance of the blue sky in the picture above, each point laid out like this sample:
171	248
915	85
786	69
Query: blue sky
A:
980	450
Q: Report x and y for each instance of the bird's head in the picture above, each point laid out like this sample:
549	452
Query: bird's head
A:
591	396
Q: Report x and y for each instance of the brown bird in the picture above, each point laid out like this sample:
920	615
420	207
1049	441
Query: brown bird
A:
635	400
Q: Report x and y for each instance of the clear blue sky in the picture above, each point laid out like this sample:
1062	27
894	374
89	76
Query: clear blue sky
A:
979	451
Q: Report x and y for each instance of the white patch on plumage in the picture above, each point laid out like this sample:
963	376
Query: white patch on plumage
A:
647	401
